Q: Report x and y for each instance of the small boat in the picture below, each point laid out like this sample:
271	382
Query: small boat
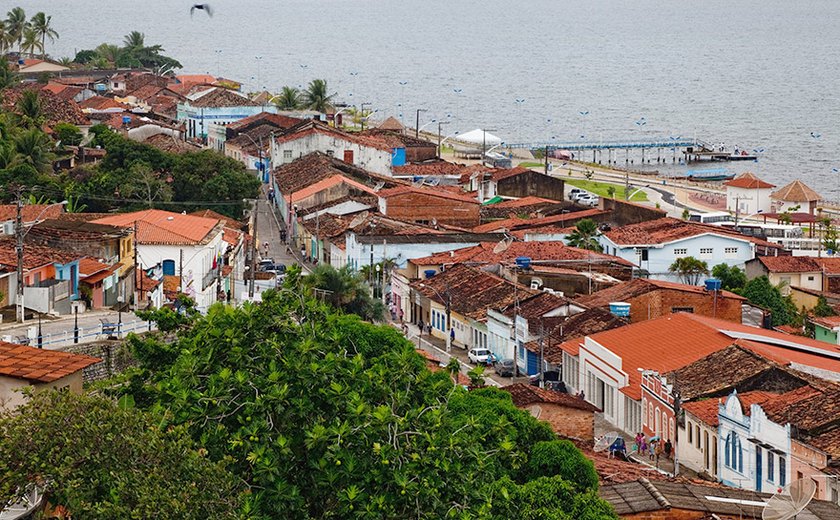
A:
709	175
743	156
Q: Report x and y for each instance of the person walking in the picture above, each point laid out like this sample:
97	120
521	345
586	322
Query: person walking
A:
668	448
643	447
651	450
640	438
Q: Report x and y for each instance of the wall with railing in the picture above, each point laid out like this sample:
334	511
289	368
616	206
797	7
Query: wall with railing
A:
72	336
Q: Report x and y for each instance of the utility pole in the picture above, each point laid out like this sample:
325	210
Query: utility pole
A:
137	275
253	269
440	123
21	314
546	160
626	184
181	270
542	353
676	394
417	123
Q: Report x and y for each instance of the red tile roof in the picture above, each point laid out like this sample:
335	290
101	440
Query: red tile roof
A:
30	212
749	181
829	322
102	103
429	192
101	275
89	266
55	109
229	222
195	78
796	191
830	265
707	409
145	282
789	264
34	255
310	126
524	201
314	167
40	365
439	167
506	173
156	226
668	229
221	97
547	251
264	118
639	286
524	395
516	223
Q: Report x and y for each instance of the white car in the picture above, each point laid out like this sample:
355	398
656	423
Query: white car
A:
588	200
479	356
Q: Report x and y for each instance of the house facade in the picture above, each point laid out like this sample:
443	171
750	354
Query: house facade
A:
748	195
215	106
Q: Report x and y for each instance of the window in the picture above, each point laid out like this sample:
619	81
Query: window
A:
331	153
730	252
771	470
690	432
680	251
644	407
697	436
706	252
682	309
810	278
287	154
783	471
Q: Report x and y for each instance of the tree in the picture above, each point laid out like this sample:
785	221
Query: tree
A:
759	291
611	191
689	269
345	290
731	278
7	76
288	99
33	150
85	56
16	25
829	235
325	416
822	309
686	214
30	112
316	97
41	26
31	43
68	133
100	460
585	235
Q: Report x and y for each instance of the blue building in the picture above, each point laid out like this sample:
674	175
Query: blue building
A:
216	105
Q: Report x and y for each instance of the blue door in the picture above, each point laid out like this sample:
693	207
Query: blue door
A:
758	475
533	363
169	267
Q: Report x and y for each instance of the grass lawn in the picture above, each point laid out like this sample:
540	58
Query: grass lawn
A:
600	189
532	165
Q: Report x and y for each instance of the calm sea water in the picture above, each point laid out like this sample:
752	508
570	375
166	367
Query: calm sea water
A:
757	73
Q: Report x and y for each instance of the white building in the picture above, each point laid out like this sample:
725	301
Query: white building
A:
187	247
748	195
215	106
366	152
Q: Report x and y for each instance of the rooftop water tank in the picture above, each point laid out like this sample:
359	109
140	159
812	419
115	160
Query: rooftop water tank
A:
523	262
620	309
429	273
712	284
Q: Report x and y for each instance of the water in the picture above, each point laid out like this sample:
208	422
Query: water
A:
757	73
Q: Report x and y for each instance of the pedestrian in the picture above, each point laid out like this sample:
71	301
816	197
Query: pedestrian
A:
422	326
265	249
651	450
640	438
658	452
668	447
643	447
303	253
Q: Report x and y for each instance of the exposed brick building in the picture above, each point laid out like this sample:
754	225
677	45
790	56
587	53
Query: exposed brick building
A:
430	206
568	415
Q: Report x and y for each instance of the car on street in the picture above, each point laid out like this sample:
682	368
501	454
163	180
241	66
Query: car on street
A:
575	192
505	368
277	269
588	200
264	262
479	356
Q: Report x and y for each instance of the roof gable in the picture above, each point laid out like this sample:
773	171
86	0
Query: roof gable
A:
40	365
156	226
796	191
748	181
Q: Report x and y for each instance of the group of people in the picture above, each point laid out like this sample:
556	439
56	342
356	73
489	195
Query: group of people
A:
654	448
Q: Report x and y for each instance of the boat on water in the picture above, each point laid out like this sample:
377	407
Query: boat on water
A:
708	175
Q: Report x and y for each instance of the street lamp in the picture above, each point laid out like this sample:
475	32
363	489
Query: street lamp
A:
448	307
20	234
440	123
417	123
261	168
362	113
433	121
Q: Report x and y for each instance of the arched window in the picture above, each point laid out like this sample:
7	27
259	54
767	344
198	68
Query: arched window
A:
650	415
728	451
644	407
169	267
658	428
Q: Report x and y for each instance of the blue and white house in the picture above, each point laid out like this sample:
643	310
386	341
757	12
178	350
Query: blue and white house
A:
753	451
216	106
654	245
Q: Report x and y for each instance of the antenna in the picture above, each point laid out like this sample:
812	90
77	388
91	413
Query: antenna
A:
605	441
503	245
790	501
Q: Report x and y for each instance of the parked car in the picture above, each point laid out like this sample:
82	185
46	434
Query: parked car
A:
575	192
264	262
505	368
479	355
589	200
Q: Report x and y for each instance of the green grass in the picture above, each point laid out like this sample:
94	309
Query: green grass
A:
532	165
600	189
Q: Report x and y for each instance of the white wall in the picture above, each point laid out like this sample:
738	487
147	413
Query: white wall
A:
369	158
748	201
358	255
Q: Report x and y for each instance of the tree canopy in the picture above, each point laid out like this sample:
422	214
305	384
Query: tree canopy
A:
585	235
761	292
134	52
689	269
323	415
731	278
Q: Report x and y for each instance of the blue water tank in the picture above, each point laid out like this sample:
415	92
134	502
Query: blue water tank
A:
429	273
126	120
712	284
620	309
523	262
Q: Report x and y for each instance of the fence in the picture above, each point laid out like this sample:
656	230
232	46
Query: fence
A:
105	330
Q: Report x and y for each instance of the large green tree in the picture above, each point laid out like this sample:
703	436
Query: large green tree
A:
16	25
317	96
325	416
346	290
100	460
689	269
761	292
288	99
731	278
41	25
585	235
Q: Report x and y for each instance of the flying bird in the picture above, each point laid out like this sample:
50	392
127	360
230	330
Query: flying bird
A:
585	112
834	170
202	7
815	135
457	90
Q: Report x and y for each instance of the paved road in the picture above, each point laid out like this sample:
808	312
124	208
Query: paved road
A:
56	328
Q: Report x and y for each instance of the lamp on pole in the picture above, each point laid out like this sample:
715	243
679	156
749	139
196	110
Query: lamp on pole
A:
447	301
362	113
417	123
261	167
20	234
440	124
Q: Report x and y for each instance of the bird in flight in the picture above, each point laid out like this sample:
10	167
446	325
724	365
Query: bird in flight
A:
815	135
585	112
202	7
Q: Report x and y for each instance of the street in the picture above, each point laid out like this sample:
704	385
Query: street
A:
58	332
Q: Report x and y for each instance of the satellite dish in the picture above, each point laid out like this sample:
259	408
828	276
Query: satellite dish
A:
535	411
358	219
27	504
503	245
790	501
605	441
379	186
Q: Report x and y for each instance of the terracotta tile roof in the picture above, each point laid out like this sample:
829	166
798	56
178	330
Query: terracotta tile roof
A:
506	173
707	409
524	395
264	118
40	365
195	78
516	223
668	229
228	221
639	286
89	266
62	91
796	191
101	275
471	290
789	264
311	126
829	322
568	335
62	227
315	167
440	167
547	252
391	124
171	144
34	255
220	97
30	212
536	306
156	226
429	192
145	283
100	103
56	110
828	442
396	139
830	265
749	181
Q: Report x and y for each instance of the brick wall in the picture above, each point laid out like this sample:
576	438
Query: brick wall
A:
531	184
625	213
661	302
113	353
569	422
414	207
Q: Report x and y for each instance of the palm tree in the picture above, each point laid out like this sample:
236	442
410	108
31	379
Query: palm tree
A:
33	149
4	37
316	97
30	113
110	53
288	99
15	25
7	76
31	42
689	269
40	23
585	236
346	290
135	40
